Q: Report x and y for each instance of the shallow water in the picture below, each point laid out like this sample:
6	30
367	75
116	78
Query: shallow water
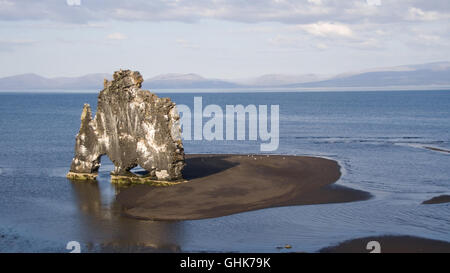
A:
379	139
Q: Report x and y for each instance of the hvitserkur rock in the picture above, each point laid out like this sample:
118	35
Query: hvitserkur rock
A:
132	127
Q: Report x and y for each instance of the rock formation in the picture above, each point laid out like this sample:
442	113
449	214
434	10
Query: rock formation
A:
132	127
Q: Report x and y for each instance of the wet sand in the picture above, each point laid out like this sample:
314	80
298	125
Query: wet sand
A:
391	244
437	149
438	199
221	185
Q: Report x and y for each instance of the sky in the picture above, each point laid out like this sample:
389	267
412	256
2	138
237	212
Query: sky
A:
219	39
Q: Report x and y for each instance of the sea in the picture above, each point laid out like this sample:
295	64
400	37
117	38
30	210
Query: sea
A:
381	139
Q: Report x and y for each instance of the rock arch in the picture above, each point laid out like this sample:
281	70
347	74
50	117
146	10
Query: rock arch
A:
132	127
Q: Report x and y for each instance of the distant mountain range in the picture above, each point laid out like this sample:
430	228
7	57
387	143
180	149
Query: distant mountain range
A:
433	74
36	82
421	75
175	81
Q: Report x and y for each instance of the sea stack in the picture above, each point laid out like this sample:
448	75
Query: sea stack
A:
132	127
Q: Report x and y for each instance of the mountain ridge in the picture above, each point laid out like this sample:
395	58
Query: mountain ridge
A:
427	74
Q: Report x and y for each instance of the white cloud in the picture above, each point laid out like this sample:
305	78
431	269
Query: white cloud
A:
73	2
185	44
8	45
6	3
326	29
283	11
373	2
285	41
321	46
370	43
294	25
315	2
431	38
430	41
117	36
418	14
254	29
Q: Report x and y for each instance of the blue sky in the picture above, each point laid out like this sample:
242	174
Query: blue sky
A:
219	39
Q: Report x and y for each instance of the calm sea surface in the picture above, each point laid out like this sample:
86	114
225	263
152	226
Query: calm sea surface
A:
379	139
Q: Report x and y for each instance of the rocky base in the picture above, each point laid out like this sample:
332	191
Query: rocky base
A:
125	179
82	176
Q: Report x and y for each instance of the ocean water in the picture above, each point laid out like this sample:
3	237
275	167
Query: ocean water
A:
378	138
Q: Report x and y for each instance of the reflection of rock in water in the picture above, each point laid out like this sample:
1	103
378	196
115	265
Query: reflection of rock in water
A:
143	236
104	229
88	196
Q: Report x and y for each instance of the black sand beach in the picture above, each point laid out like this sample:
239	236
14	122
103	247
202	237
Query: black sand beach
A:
438	199
391	244
221	185
437	149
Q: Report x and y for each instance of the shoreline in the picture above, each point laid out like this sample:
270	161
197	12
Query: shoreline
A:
445	198
390	244
221	184
437	149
